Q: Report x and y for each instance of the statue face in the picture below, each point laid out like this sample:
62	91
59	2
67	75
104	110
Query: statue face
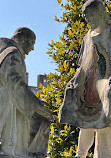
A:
92	18
28	45
95	16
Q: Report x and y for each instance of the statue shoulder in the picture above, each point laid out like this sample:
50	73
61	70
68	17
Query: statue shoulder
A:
8	46
5	43
7	51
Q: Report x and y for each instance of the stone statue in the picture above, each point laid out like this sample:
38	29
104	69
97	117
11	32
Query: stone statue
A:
17	102
87	100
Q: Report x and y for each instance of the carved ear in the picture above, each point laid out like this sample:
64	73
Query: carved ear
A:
15	36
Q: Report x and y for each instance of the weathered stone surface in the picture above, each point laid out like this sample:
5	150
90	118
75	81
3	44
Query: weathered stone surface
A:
17	102
87	101
40	129
87	96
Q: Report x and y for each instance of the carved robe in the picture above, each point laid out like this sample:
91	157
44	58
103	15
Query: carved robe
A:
17	103
87	97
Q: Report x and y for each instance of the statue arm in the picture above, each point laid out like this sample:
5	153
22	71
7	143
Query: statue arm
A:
22	97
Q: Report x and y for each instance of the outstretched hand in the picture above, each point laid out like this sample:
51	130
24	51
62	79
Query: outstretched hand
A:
51	117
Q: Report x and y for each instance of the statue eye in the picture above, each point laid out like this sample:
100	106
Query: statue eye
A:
31	42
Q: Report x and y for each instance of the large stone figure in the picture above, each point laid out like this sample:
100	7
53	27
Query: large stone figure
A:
17	102
87	101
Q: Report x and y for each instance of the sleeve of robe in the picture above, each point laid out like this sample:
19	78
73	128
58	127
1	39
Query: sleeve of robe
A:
22	97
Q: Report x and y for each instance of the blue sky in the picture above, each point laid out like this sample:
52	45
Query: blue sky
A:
39	16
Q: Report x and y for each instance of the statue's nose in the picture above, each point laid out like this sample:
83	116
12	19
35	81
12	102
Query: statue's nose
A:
33	48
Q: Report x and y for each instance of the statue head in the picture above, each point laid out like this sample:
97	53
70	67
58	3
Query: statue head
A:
95	13
25	38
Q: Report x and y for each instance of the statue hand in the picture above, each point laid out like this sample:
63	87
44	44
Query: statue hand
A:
43	110
45	103
51	118
70	85
47	113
